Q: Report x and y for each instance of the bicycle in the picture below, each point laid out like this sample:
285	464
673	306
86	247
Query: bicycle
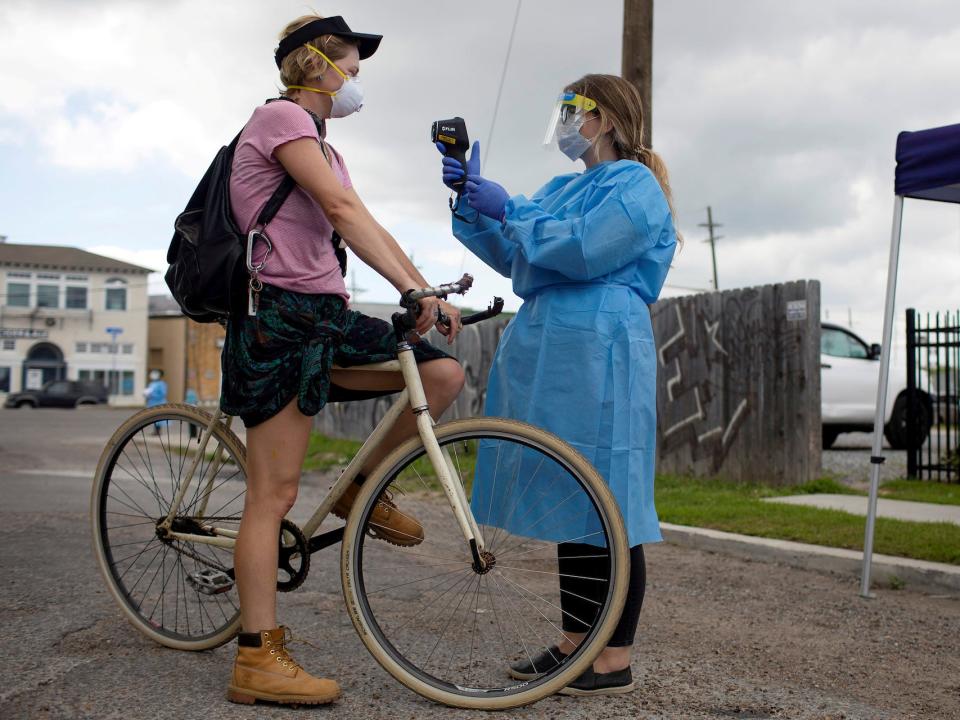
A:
445	616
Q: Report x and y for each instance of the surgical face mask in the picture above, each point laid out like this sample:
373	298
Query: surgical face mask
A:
154	375
571	142
347	100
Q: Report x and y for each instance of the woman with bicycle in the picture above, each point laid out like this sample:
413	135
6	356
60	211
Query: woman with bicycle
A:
278	358
588	253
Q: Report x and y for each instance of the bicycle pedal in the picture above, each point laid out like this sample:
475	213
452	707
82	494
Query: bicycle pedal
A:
210	582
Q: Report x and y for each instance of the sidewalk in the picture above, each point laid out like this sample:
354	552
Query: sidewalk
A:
896	509
885	569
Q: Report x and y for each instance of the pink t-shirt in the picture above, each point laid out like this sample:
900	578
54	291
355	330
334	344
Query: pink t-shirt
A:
302	258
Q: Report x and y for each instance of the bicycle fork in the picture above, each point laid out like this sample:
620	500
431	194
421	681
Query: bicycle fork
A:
440	457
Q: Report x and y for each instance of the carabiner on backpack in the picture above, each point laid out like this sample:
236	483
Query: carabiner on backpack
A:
255	285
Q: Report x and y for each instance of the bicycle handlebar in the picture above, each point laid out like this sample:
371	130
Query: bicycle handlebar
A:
493	309
460	287
410	302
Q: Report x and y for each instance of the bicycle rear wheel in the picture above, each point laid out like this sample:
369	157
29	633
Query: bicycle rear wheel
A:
180	594
449	631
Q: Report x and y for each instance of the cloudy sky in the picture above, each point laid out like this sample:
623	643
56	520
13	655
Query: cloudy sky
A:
781	116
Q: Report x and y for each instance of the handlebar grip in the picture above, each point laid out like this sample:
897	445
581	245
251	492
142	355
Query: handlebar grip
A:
494	309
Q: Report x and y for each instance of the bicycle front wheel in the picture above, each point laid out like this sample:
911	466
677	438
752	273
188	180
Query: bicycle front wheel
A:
449	629
180	594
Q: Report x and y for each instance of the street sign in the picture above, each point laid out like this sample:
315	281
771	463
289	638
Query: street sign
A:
29	333
114	331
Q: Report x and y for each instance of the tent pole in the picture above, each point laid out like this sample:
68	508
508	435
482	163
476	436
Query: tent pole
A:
876	458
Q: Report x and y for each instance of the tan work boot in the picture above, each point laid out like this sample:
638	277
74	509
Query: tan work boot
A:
387	522
264	670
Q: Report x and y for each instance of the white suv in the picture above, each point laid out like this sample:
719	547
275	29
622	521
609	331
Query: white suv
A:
849	373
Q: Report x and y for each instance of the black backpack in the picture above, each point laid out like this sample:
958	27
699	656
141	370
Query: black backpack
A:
207	256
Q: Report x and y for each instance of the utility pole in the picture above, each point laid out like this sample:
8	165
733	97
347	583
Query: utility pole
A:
710	225
637	57
355	290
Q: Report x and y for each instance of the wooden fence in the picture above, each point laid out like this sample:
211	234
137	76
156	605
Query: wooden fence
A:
738	384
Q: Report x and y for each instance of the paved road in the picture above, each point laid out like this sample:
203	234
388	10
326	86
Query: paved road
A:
719	637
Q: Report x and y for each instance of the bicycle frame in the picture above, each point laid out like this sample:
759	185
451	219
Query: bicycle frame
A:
413	396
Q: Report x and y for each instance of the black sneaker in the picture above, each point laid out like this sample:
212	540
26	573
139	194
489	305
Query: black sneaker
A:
542	663
594	683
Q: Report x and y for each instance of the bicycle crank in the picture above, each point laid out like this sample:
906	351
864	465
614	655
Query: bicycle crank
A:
293	557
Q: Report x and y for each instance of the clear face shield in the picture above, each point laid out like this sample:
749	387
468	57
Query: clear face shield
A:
568	115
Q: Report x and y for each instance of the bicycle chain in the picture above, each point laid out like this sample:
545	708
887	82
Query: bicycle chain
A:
297	576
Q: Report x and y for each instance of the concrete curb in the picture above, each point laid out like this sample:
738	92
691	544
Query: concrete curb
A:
885	569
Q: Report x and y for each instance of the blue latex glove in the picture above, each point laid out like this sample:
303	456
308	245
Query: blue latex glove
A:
486	196
453	170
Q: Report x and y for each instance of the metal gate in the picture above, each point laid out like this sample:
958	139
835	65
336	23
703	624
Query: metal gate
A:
933	368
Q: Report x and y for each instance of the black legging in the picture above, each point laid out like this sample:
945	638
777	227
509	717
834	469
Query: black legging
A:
584	570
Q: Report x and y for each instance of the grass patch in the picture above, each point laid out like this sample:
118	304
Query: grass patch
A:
738	508
325	452
922	491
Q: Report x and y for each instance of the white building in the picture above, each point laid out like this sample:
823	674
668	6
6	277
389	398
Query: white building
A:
70	314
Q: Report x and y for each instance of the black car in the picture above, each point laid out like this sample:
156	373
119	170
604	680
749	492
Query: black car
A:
59	393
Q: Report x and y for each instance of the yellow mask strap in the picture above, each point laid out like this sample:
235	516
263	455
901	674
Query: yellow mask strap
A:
329	62
310	89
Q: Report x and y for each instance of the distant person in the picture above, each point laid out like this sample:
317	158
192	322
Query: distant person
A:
588	253
190	398
156	394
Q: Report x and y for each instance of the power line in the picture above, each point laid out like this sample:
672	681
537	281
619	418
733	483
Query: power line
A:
496	106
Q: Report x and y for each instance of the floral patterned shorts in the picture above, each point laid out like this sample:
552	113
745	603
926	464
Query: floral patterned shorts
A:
286	351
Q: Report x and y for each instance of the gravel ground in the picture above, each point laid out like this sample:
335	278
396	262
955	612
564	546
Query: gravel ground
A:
849	461
719	637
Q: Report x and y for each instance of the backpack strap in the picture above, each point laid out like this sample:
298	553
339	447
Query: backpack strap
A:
276	200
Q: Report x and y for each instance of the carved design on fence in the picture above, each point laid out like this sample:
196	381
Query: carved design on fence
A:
738	383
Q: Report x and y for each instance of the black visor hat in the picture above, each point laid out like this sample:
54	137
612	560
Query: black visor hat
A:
366	44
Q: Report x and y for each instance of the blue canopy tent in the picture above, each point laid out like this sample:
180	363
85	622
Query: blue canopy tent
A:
928	168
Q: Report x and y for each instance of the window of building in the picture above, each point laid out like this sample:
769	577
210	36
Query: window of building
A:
48	296
4	379
117	382
77	278
48	276
116	294
9	344
76	297
18	294
81	347
128	349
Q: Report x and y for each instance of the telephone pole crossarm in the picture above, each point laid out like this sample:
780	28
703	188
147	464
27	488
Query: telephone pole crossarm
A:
711	225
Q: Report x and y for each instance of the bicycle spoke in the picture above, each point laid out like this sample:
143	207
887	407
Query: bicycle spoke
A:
459	628
160	587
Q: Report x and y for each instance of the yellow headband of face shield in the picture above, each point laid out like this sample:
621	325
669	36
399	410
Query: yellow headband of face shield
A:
332	64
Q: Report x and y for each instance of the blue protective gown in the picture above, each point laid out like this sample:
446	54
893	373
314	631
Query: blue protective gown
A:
588	253
156	394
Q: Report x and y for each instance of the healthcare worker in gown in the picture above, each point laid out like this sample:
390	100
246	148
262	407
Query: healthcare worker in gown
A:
588	253
156	394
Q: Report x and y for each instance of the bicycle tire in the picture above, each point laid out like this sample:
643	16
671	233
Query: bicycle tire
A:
130	466
381	636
